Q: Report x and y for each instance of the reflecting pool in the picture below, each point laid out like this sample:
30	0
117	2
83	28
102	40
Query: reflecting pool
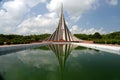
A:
59	62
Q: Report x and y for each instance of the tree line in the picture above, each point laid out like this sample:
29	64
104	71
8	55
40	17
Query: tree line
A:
111	38
21	39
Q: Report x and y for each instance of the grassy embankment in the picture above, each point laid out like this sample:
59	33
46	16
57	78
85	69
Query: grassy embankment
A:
111	38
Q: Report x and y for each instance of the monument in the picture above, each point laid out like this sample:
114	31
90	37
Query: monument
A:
62	33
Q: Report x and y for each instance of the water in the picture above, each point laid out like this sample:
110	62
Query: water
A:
60	62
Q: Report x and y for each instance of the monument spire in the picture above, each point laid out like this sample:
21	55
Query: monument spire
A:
61	7
62	32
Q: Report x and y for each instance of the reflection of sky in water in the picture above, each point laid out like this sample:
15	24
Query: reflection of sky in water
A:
38	58
29	63
94	65
36	64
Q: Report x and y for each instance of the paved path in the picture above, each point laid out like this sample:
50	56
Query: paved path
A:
102	47
5	49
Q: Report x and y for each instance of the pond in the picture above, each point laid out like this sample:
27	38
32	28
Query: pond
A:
60	62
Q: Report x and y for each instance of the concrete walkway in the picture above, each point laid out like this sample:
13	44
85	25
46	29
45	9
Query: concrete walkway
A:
5	49
102	47
107	48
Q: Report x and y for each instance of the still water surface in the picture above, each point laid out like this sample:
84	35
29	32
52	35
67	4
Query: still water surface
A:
60	62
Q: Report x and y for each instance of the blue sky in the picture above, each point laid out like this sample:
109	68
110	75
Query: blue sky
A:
41	16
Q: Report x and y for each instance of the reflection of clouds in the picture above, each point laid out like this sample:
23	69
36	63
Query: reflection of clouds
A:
78	57
90	57
38	63
8	62
38	59
76	53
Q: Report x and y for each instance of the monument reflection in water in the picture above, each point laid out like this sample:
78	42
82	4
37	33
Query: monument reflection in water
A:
62	51
60	62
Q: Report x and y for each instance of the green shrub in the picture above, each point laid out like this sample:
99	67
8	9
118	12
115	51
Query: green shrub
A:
1	43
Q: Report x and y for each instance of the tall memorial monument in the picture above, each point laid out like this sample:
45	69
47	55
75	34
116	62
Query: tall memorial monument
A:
62	33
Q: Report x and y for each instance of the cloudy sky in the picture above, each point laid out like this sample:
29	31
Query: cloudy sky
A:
41	16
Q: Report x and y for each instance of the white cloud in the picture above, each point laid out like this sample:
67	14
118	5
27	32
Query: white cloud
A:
76	29
12	15
47	23
13	12
40	24
75	8
112	2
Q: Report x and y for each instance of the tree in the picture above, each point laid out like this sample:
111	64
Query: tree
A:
97	35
